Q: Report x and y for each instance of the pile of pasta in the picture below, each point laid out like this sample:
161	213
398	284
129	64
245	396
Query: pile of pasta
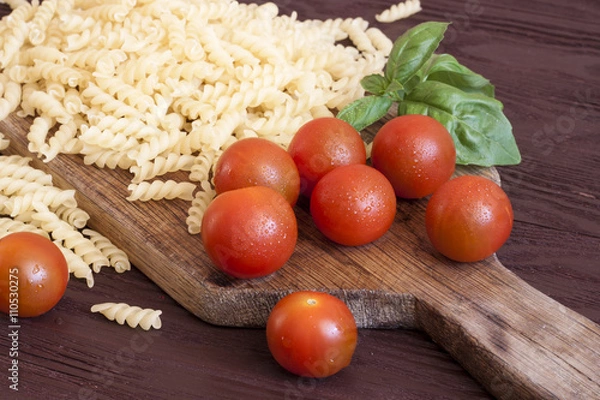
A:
156	87
166	85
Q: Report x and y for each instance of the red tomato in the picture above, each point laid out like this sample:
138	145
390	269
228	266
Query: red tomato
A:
468	218
353	205
416	153
312	334
33	274
249	232
322	144
257	162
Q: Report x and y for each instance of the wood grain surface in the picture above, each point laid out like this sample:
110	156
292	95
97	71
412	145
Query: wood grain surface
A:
491	330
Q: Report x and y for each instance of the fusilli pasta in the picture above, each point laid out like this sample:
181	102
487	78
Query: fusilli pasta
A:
117	257
134	316
201	200
399	11
158	190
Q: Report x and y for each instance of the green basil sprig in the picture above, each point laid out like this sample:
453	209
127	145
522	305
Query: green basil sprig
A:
422	82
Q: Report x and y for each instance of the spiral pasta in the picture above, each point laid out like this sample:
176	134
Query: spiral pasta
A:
41	103
9	225
162	165
134	316
399	11
17	168
75	216
201	200
77	266
10	96
200	170
48	195
117	257
39	25
10	186
38	131
158	190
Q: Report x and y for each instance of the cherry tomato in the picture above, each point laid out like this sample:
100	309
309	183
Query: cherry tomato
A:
33	274
312	334
353	205
322	144
468	218
257	162
416	153
249	232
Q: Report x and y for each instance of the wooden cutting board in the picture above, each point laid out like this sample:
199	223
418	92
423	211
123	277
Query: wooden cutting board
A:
519	343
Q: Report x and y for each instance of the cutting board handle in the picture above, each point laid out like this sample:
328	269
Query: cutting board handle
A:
517	342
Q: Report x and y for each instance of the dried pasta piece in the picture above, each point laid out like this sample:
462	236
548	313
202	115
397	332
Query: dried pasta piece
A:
10	186
399	11
44	13
50	196
64	140
203	164
77	266
161	166
10	96
118	258
38	131
14	159
9	225
199	204
158	190
134	316
94	96
55	73
39	102
23	171
380	40
17	35
75	216
126	93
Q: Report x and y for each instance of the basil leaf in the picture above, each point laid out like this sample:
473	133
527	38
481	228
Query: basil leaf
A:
375	84
445	68
365	111
413	49
482	134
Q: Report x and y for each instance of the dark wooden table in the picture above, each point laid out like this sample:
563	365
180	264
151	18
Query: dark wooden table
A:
544	58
